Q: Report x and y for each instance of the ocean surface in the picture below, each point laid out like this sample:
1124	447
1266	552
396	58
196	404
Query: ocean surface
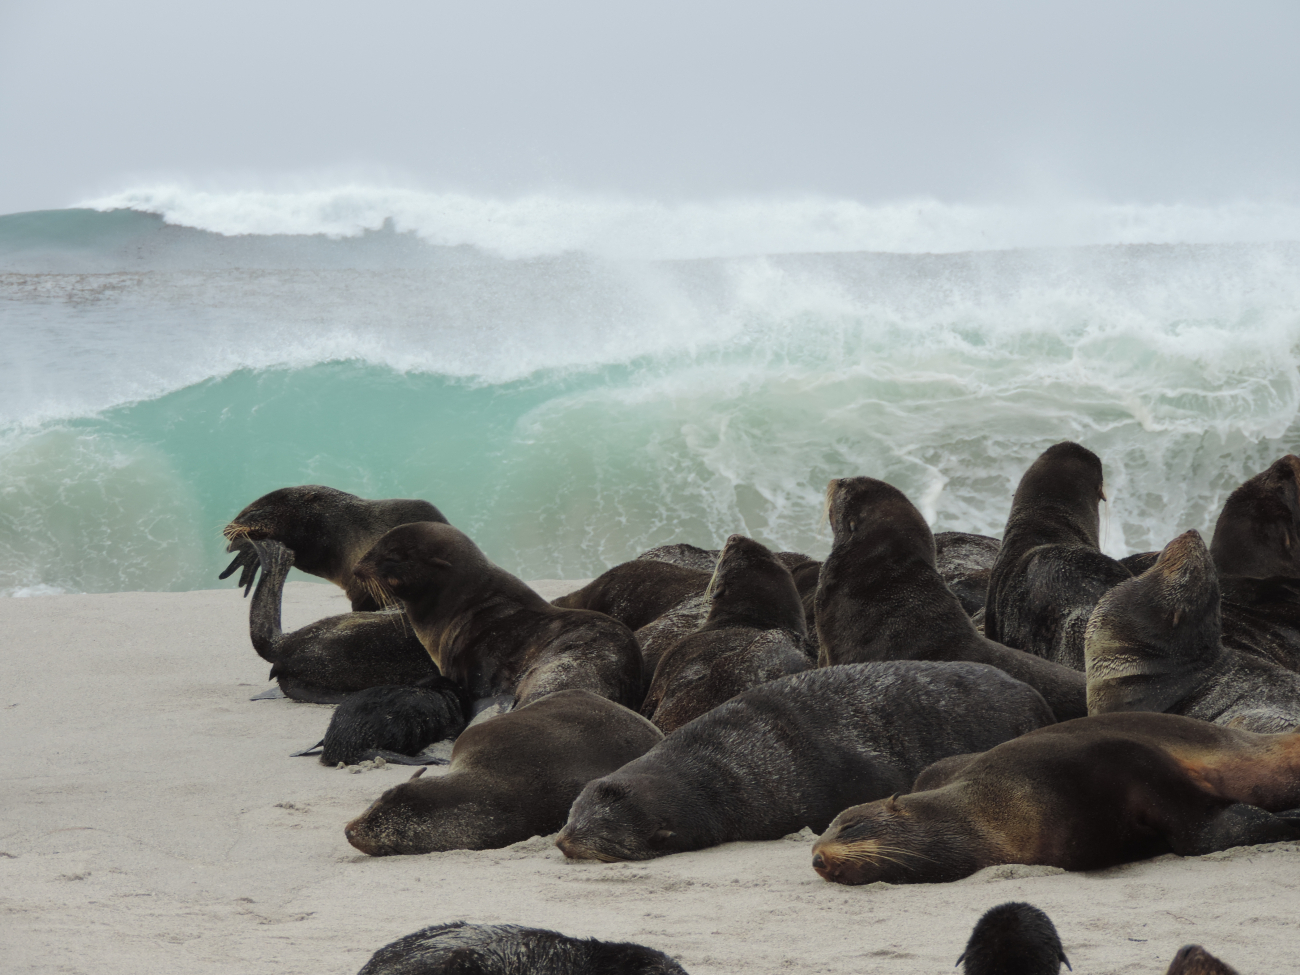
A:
573	380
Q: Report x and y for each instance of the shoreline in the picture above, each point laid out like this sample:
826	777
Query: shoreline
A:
153	818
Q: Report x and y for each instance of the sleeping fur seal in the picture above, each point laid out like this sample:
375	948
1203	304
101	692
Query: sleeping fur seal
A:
327	660
1082	795
881	598
792	753
1014	938
1153	645
511	777
490	632
755	632
1049	572
328	531
508	949
1256	549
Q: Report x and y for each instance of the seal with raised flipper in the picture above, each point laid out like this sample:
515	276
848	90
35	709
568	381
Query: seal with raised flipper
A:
1153	644
327	530
511	777
331	658
1081	795
792	753
880	597
491	632
1050	571
755	632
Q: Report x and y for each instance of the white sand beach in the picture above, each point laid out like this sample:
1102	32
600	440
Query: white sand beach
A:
152	820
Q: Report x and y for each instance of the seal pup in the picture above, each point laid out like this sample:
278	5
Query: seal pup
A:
1153	644
1082	795
881	598
327	529
1256	550
755	632
1195	960
1014	938
492	633
511	777
792	753
508	949
393	723
327	660
1050	572
964	562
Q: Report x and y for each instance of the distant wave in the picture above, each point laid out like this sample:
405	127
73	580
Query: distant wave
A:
537	224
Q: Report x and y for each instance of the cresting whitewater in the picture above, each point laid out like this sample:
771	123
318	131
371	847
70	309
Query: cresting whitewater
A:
573	381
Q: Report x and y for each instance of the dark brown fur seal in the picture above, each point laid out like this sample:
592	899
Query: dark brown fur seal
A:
1256	549
792	753
1153	645
1014	938
754	633
490	632
1195	960
393	723
881	598
637	592
964	563
508	949
511	777
1050	573
1082	795
328	531
327	660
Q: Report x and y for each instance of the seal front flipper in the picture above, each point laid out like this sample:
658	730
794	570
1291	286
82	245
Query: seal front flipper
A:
264	614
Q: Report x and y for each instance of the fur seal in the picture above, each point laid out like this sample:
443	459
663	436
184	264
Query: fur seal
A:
327	660
490	632
1014	938
1195	960
1256	549
327	529
637	592
792	753
964	562
754	633
1153	644
1082	795
1050	572
683	555
508	949
393	723
511	777
881	598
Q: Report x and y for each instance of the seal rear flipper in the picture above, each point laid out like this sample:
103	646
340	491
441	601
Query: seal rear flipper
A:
1236	825
309	751
270	694
245	558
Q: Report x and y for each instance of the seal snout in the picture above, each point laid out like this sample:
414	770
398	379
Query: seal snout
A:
354	834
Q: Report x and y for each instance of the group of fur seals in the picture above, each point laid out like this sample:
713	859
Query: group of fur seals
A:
511	777
794	752
881	598
755	632
1081	795
1153	644
508	949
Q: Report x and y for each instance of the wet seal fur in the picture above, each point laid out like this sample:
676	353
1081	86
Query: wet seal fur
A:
508	949
881	598
393	723
1082	795
328	531
1256	549
1014	938
1153	644
327	660
755	632
511	777
1050	572
965	562
489	631
792	753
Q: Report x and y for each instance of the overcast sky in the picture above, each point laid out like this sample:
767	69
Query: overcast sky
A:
1118	100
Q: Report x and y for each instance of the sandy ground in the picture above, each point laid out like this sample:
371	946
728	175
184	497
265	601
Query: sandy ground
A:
152	821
